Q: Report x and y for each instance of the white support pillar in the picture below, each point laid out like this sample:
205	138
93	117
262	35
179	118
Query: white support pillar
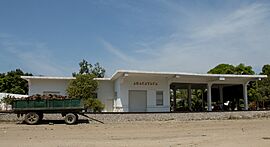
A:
29	87
245	95
189	96
209	96
221	95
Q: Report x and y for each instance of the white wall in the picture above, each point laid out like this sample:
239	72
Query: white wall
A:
105	89
105	94
38	86
118	106
123	85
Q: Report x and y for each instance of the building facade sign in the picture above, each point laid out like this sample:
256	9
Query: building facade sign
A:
145	83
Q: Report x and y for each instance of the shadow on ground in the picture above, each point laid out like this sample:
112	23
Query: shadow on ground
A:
52	122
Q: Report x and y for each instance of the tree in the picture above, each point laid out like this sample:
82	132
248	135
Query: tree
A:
11	82
222	69
98	70
266	69
240	69
85	87
88	68
263	86
84	67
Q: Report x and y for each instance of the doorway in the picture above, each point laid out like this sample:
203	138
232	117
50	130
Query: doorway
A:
137	100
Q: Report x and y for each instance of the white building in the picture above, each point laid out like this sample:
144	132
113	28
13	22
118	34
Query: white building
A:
143	91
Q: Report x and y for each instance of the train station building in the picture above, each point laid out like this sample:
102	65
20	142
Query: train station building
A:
146	91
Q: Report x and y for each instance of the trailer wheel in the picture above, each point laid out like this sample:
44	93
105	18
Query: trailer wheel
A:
77	117
71	118
41	115
31	118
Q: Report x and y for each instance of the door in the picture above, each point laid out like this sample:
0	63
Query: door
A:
137	100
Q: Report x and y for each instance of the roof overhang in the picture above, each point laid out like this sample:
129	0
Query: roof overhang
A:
46	78
190	77
171	75
57	78
119	73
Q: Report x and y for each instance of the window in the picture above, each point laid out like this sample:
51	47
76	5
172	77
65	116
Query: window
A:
51	92
159	95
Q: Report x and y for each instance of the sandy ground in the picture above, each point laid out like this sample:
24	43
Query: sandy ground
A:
251	133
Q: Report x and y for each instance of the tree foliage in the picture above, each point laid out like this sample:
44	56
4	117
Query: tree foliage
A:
7	100
98	70
88	68
182	100
266	70
11	82
263	86
222	69
240	69
94	105
85	87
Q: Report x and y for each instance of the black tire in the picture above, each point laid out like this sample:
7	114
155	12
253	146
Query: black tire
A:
31	118
71	118
77	117
41	116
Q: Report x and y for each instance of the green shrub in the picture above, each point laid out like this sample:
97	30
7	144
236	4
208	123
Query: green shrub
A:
8	100
84	86
93	104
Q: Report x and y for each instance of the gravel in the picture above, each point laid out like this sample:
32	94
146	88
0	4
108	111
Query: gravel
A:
124	118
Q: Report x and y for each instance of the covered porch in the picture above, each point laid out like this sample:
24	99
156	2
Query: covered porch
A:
194	97
209	92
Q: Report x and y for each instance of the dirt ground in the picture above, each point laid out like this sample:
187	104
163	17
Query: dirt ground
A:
255	132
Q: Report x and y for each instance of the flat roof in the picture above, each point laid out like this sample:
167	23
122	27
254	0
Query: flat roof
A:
120	73
47	77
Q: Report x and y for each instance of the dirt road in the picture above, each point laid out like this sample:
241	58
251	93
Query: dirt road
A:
160	133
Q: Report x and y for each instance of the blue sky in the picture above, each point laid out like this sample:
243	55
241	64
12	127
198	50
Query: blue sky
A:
51	37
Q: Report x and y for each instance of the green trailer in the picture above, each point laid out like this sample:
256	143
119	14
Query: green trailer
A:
34	110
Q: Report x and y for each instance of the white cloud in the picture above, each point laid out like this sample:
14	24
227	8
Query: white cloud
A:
240	36
240	20
117	52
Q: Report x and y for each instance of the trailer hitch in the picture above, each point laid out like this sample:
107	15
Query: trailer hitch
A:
91	118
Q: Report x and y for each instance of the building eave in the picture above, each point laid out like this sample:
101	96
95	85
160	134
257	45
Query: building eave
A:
47	78
102	79
120	73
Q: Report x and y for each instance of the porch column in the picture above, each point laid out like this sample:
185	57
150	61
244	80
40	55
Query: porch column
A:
209	96
245	95
174	99
189	97
221	96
